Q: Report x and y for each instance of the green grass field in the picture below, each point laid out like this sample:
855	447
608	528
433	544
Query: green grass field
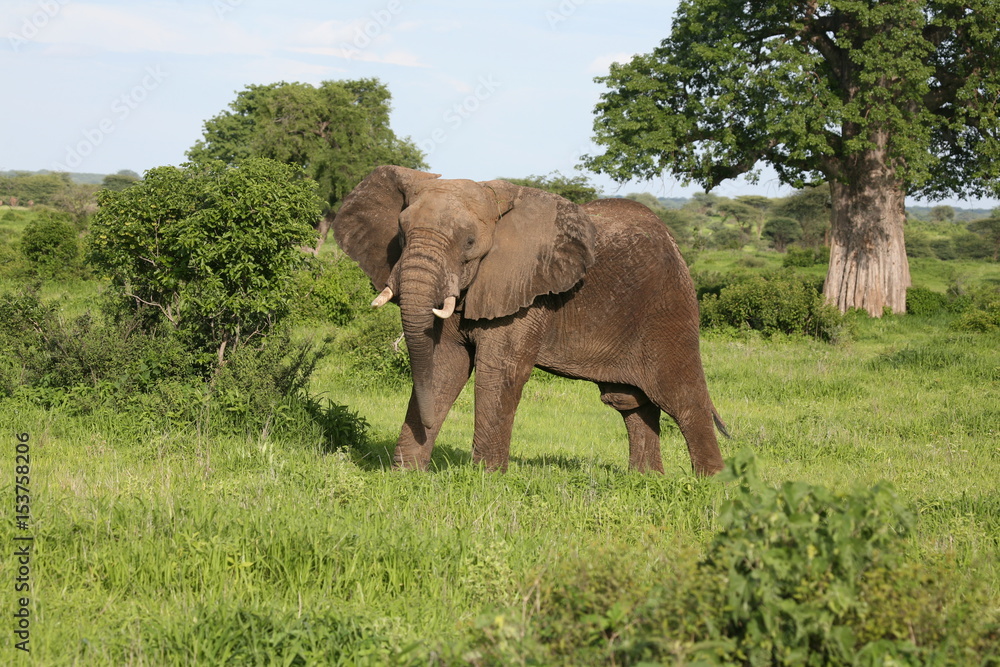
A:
165	545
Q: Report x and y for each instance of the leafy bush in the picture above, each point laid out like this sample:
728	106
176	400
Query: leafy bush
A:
922	301
335	291
796	575
49	244
376	350
208	249
981	320
87	365
804	257
793	558
49	356
775	303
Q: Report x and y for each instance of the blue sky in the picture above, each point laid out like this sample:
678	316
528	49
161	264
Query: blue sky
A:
487	90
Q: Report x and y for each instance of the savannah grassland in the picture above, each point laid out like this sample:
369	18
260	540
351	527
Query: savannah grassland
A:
160	544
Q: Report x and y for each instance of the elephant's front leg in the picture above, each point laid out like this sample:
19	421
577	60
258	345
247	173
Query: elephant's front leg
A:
503	365
452	367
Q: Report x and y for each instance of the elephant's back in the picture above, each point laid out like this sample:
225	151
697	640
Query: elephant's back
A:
631	240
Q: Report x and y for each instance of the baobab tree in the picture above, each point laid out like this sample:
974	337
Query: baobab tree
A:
879	99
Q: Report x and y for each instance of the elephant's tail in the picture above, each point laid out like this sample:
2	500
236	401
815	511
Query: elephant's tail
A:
719	424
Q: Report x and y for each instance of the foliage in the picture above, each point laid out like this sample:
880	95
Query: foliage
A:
49	243
336	132
922	301
989	231
748	217
811	208
376	350
54	360
332	290
207	248
880	100
776	303
578	189
942	214
792	559
91	366
979	309
41	188
782	231
55	190
803	257
713	100
794	575
120	181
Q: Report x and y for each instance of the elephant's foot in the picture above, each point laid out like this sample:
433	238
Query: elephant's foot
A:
494	463
411	458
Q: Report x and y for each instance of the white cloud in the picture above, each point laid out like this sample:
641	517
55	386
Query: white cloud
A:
194	31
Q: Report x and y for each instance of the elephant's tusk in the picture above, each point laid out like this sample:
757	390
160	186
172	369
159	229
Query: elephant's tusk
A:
449	308
382	298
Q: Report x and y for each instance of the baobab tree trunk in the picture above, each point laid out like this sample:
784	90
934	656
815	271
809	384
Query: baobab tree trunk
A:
868	266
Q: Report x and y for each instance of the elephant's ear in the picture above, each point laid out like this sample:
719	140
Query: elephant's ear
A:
367	224
543	244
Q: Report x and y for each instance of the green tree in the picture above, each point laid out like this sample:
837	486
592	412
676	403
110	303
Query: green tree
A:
41	188
574	188
811	208
647	200
989	231
880	99
762	204
118	182
336	132
210	249
782	231
747	217
942	214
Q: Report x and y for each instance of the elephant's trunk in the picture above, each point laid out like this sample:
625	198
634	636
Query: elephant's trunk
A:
420	294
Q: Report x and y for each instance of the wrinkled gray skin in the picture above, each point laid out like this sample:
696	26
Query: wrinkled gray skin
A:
596	292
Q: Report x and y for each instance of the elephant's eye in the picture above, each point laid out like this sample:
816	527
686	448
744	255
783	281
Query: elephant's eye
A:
469	242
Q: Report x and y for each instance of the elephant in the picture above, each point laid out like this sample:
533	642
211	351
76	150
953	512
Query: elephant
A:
503	278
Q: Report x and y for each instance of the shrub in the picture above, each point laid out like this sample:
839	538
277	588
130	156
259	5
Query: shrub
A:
775	303
804	257
335	291
978	308
49	243
922	301
792	559
52	357
210	250
88	365
795	575
376	352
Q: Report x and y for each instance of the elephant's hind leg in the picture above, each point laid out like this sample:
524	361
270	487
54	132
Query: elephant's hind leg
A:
642	421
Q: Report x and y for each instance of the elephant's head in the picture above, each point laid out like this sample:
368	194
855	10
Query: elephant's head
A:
487	249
